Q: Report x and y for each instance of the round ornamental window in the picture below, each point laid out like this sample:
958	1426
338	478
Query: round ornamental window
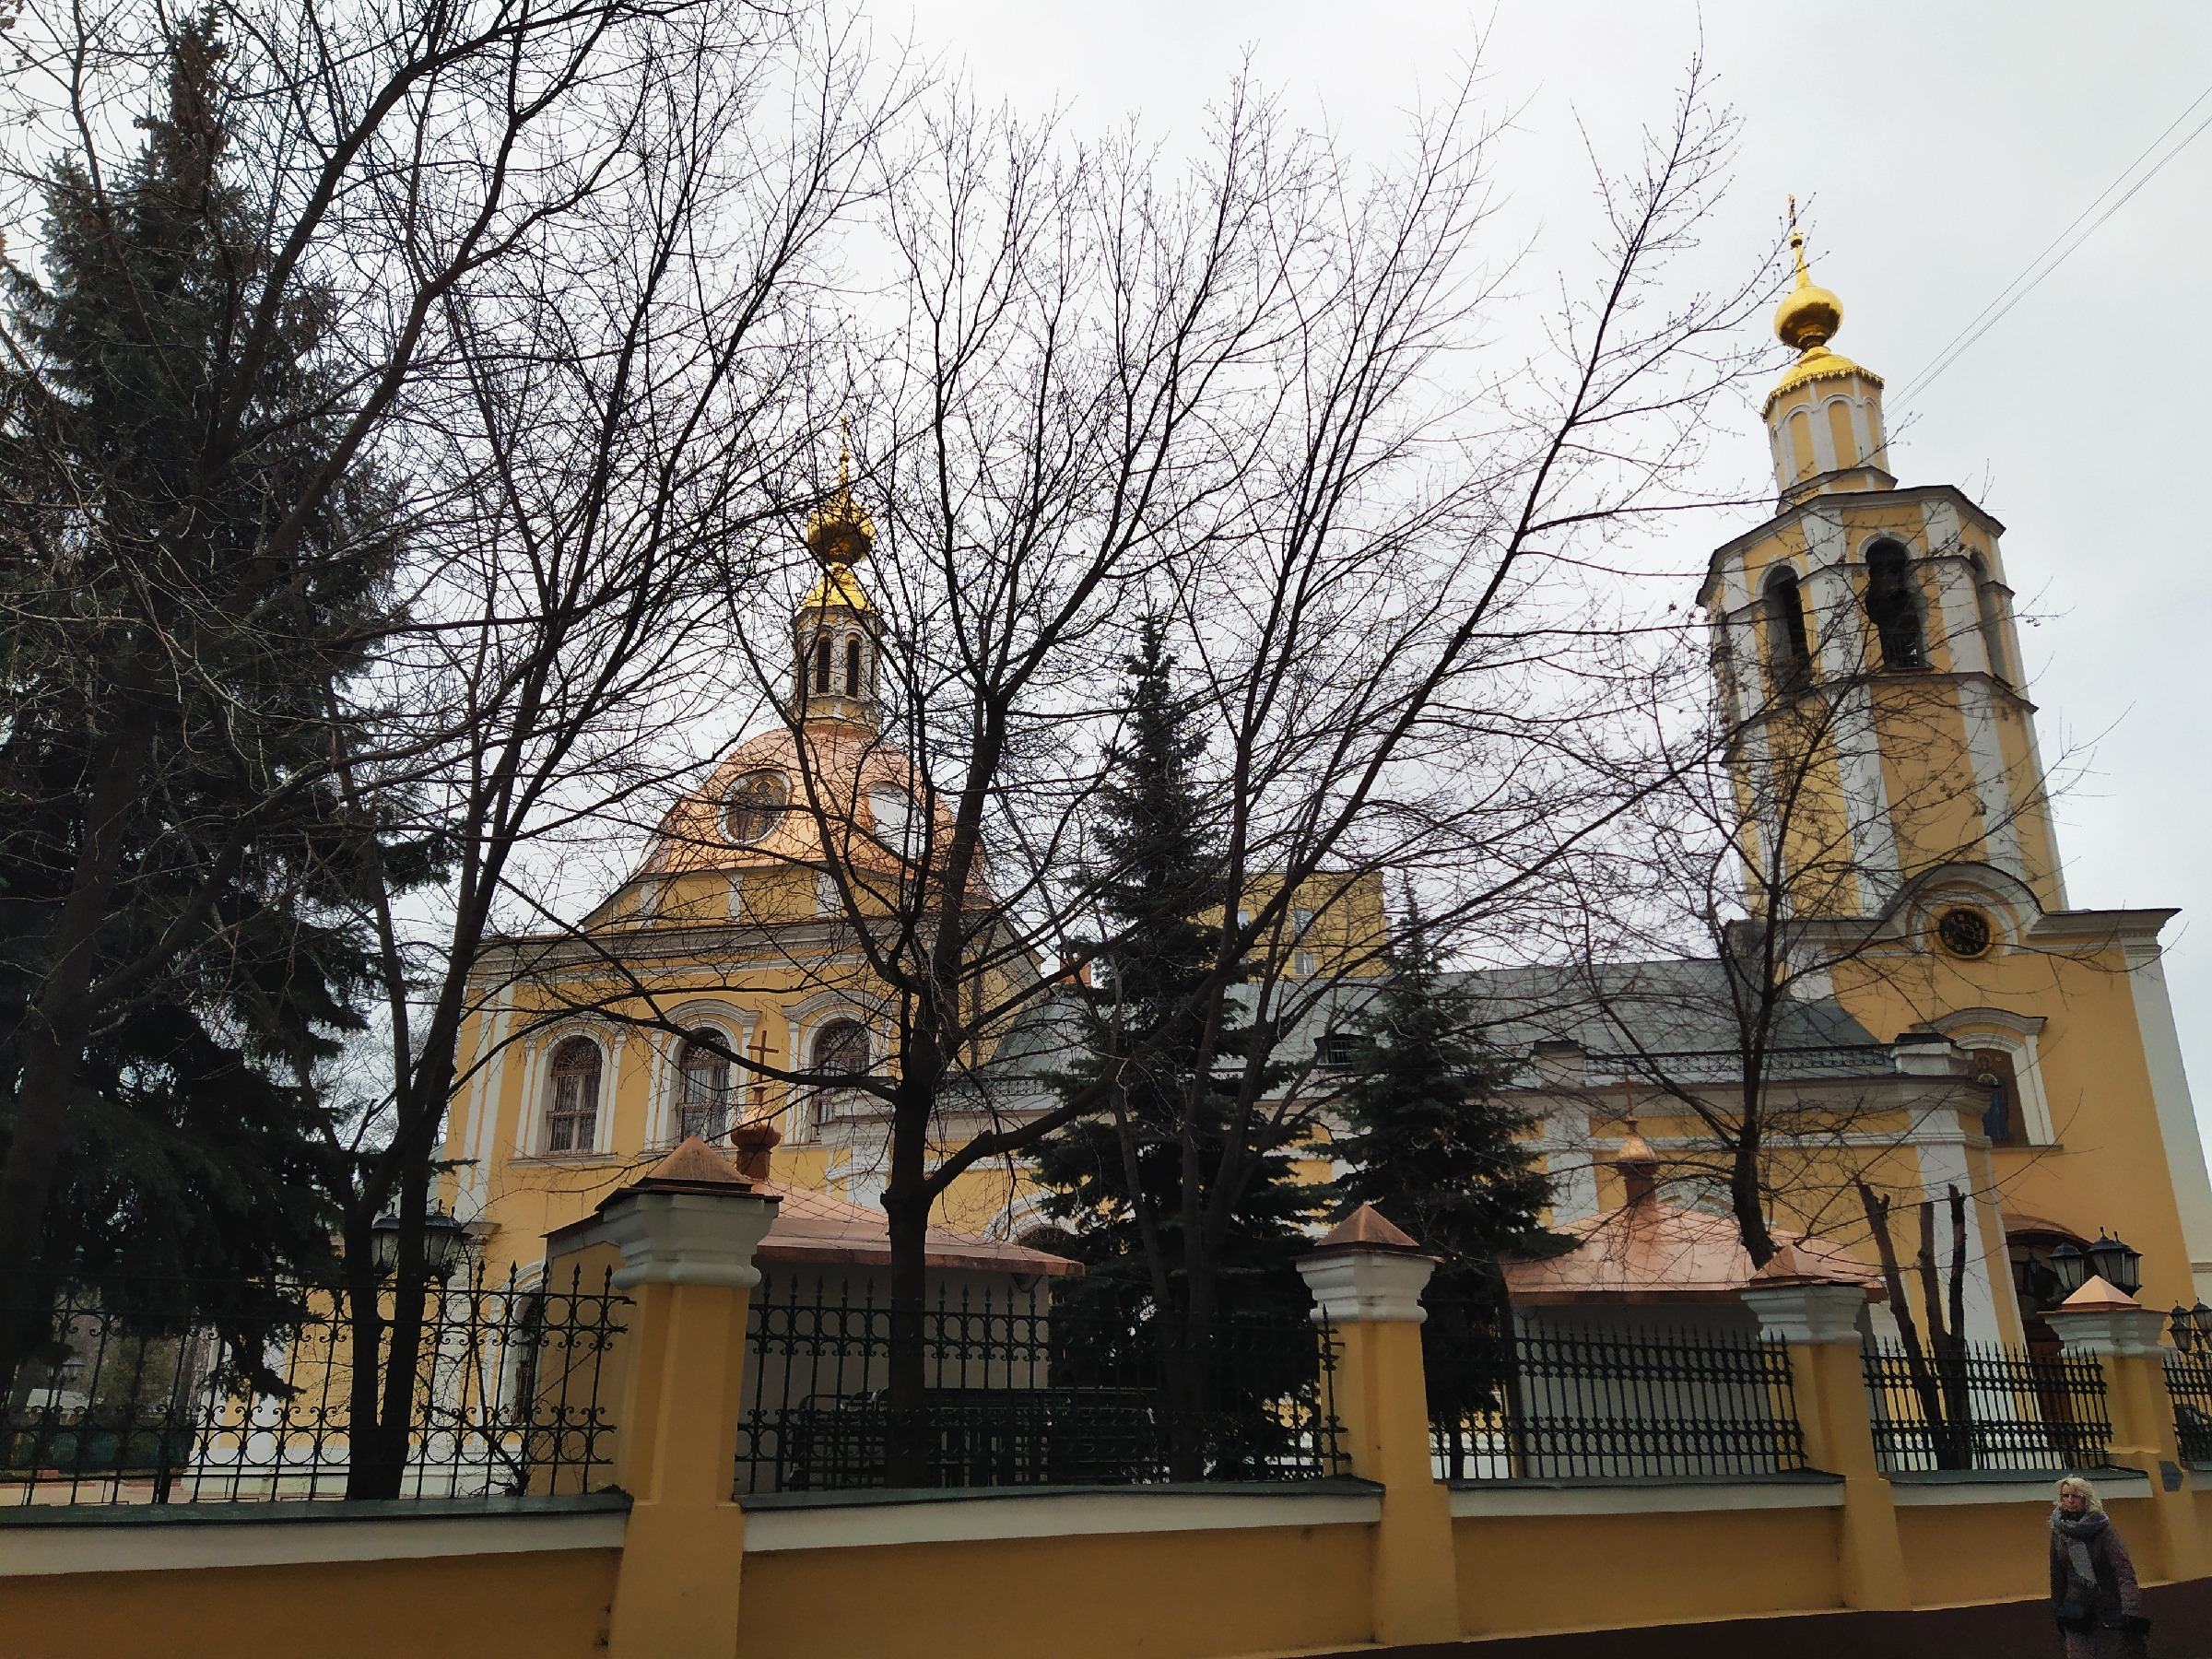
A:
754	806
1965	933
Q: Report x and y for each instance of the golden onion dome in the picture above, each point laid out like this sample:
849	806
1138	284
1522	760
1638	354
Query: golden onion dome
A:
837	586
840	532
1809	315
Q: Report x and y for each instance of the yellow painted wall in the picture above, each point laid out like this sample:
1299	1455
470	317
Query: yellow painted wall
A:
1976	1552
2108	1167
1164	1595
550	1605
1523	1574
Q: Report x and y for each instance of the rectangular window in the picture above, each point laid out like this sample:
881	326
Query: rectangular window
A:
1337	1049
1304	964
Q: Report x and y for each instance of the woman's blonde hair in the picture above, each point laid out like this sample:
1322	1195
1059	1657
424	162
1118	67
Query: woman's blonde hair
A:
2075	1483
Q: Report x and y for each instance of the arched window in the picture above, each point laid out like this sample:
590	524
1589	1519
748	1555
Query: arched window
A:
840	1049
822	650
851	664
702	1095
1789	653
1993	619
1893	607
572	1108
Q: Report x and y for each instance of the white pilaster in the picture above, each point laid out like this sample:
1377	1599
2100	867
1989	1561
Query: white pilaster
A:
2177	1115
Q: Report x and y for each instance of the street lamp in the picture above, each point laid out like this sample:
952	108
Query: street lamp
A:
443	1238
2117	1264
2071	1264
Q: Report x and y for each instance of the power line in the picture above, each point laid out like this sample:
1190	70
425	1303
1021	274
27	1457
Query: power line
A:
2021	287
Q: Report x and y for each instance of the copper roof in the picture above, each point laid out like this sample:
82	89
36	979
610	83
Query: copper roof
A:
1366	1228
1655	1251
814	1229
2098	1295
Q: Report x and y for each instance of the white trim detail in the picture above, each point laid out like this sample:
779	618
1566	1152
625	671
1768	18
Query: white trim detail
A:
1052	1515
35	1552
2177	1117
1657	1497
1355	1285
2016	1035
1917	1494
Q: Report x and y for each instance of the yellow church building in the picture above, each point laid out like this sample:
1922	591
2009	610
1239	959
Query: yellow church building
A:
1952	1020
1957	1020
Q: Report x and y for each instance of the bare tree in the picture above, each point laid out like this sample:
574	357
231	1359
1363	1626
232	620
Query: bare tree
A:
1746	852
1233	400
572	254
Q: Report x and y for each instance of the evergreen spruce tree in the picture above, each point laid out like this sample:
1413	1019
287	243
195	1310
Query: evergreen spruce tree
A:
1435	1149
1163	904
1430	1143
169	682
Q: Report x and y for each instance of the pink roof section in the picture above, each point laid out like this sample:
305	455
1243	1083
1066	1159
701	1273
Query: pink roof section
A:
1651	1252
815	1230
2100	1295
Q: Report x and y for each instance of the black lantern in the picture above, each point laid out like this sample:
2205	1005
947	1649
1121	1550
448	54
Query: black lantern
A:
2200	1316
2117	1264
2183	1327
443	1238
2071	1264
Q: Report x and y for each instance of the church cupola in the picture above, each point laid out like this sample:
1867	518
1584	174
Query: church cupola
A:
1824	417
836	633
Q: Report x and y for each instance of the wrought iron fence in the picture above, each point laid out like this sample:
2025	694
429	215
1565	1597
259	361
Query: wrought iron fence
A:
1541	1401
118	1406
1026	1387
1986	1407
2189	1380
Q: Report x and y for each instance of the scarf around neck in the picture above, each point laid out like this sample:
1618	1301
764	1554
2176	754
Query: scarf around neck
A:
2079	1532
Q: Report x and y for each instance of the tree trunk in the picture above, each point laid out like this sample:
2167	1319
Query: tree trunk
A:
1925	1387
906	1208
365	1322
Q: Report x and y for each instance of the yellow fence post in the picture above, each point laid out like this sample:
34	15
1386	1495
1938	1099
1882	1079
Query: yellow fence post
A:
1366	1277
2125	1337
687	1232
1819	1318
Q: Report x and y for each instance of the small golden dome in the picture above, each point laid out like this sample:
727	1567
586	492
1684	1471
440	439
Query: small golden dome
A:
1809	315
841	532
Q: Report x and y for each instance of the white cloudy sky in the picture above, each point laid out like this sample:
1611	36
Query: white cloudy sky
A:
1939	150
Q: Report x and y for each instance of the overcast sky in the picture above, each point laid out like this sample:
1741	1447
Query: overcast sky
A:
1937	150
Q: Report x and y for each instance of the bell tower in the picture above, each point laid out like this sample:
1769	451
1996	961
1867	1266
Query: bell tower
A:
1864	642
836	632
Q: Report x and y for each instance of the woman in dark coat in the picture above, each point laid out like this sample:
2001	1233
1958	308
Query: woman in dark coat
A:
2093	1588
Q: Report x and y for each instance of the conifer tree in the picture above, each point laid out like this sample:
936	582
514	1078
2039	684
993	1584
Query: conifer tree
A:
1119	1182
168	869
1430	1143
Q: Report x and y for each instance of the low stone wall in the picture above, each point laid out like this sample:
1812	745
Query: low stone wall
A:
1545	1570
340	1581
